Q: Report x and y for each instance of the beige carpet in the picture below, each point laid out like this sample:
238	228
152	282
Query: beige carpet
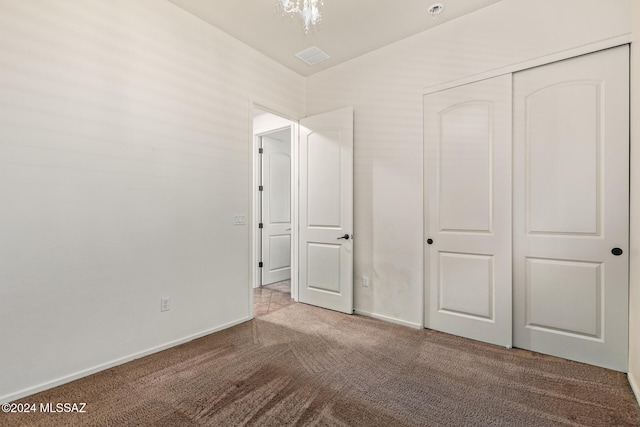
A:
301	365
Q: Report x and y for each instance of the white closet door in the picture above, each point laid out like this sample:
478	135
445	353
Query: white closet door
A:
468	210
571	211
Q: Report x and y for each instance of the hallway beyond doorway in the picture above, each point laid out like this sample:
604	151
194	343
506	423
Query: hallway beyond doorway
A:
270	298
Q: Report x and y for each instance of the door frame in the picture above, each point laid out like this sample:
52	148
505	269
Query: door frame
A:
284	121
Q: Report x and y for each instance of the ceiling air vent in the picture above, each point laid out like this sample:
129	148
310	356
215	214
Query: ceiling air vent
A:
312	56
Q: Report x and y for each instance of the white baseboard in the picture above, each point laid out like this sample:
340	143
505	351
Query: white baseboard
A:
635	386
388	319
89	371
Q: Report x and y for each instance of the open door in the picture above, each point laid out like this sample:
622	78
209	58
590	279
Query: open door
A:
326	210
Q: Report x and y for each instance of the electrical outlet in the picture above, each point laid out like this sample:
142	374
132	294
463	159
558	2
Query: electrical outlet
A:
165	304
365	282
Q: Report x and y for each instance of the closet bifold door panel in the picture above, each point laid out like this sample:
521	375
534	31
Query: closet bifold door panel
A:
571	208
468	256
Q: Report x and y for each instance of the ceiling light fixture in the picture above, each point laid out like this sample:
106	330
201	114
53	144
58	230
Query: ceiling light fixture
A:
309	12
435	9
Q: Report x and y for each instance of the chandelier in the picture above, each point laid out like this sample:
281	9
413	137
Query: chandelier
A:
309	12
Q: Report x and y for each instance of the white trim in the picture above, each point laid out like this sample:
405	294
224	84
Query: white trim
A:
388	319
425	221
295	208
268	107
255	202
253	207
634	386
253	255
531	63
90	371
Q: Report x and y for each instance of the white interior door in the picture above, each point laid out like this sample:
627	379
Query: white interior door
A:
571	193
326	210
276	206
468	210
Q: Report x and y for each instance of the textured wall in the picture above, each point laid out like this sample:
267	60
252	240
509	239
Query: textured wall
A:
385	87
124	154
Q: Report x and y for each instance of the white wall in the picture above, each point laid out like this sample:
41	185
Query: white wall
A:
386	86
124	154
634	294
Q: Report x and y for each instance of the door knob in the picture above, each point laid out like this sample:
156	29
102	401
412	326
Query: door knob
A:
345	237
616	251
429	241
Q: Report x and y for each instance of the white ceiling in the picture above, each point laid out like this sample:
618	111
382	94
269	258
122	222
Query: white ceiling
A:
349	28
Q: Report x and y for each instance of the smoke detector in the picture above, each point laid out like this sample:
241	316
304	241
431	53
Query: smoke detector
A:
435	9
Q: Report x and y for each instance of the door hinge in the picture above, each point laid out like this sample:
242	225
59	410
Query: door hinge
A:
260	188
260	265
260	150
260	225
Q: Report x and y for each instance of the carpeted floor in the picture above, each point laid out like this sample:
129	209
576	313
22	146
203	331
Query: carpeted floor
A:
301	365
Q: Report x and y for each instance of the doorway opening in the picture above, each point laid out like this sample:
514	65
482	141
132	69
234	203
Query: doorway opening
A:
321	197
274	200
